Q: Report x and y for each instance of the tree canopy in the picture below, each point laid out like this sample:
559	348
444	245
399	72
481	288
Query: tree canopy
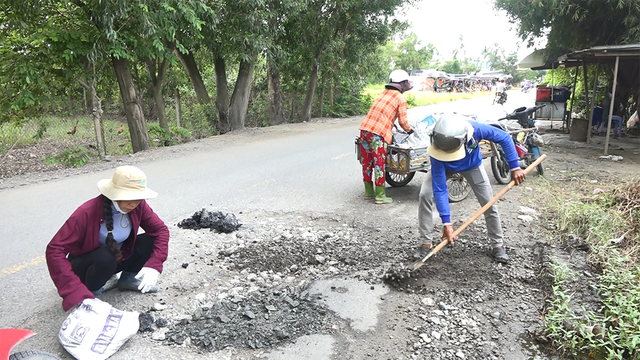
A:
574	24
228	62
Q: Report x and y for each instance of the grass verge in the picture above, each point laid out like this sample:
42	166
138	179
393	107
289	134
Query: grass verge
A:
606	218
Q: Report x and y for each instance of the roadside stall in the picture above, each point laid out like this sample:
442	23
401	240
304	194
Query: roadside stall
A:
555	98
623	60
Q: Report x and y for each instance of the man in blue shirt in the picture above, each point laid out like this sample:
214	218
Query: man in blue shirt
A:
454	148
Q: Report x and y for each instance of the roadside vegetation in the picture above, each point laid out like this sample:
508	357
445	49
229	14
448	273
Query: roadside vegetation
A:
233	64
603	220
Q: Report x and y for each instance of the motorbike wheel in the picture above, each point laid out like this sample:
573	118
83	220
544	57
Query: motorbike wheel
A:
500	167
398	180
32	355
458	188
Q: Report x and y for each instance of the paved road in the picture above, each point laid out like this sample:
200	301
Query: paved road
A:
307	167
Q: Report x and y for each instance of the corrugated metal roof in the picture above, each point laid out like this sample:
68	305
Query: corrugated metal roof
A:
600	54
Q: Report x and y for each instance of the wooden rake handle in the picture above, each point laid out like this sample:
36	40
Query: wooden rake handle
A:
478	213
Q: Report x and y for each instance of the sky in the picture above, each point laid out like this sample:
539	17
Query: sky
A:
441	22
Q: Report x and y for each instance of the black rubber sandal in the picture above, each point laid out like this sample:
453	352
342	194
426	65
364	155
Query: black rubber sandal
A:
500	255
422	251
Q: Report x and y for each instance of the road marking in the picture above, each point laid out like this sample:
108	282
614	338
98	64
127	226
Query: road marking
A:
341	156
15	269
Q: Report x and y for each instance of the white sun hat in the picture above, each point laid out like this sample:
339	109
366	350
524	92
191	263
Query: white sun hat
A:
449	137
128	183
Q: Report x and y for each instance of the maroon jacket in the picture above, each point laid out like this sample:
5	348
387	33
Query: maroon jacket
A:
80	234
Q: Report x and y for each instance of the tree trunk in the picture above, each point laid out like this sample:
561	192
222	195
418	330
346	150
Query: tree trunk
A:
311	88
157	81
222	94
189	63
276	105
178	110
241	93
132	108
96	106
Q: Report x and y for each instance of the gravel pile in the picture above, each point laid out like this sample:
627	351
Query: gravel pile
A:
256	321
459	305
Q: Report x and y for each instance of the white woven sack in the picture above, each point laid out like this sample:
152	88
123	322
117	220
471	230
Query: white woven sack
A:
95	330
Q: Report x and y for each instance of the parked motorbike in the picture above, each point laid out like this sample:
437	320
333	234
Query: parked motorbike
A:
11	337
526	139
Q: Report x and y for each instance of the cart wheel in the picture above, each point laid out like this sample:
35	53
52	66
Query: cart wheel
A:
32	355
458	187
397	180
536	155
500	167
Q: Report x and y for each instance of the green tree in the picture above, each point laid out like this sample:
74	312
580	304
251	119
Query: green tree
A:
319	36
498	59
577	24
51	52
411	55
121	31
451	67
574	24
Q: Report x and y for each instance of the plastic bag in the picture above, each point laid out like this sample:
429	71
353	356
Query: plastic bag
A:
633	120
95	330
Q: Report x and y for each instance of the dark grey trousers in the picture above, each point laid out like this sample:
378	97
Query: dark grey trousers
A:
481	186
96	267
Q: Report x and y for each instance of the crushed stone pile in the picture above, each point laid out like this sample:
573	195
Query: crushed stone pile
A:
214	220
256	321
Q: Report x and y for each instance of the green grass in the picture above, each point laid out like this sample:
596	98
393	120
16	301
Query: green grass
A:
613	331
55	129
74	157
424	98
61	131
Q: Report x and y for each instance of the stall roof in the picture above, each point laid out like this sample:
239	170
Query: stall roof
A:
537	60
605	54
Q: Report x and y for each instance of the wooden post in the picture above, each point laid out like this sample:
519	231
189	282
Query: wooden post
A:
573	97
593	101
613	99
552	103
586	85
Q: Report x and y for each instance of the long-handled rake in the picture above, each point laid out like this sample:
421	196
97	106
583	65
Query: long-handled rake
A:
477	214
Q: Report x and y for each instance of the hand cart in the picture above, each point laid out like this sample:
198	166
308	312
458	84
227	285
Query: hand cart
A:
403	162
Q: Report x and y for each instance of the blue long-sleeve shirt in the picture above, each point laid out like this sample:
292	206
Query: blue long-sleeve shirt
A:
472	160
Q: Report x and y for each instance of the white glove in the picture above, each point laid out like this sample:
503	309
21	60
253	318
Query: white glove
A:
148	279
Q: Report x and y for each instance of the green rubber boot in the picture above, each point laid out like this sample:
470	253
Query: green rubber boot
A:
381	197
369	194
